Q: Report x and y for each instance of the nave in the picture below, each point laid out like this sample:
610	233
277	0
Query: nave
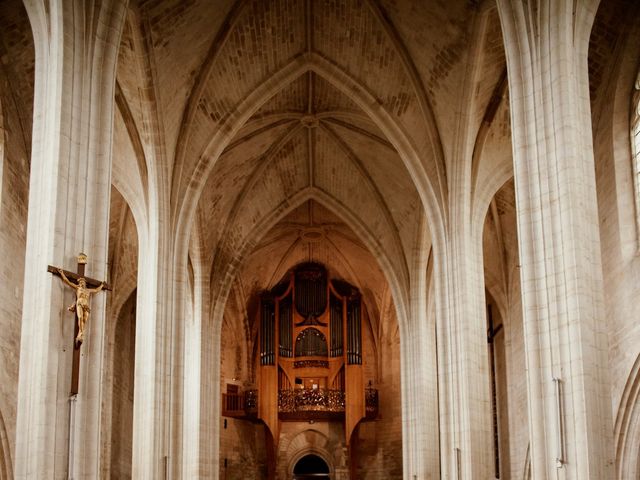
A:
356	239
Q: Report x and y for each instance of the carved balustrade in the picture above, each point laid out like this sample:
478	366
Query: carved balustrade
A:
319	399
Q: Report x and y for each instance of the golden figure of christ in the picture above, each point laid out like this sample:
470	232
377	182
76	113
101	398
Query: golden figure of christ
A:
84	287
81	306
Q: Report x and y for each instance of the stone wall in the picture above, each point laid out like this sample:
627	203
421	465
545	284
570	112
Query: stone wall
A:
502	280
122	406
619	235
14	189
242	442
379	445
116	415
242	448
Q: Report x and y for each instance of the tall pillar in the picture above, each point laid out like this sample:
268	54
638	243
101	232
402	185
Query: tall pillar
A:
76	45
161	309
420	441
158	371
570	419
201	373
463	360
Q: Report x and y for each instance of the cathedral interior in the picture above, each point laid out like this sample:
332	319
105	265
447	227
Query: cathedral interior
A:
320	239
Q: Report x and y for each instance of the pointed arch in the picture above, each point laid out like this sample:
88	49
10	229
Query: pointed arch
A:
627	427
393	245
306	442
526	474
138	149
201	81
6	469
432	198
127	283
228	270
418	87
120	388
357	89
487	191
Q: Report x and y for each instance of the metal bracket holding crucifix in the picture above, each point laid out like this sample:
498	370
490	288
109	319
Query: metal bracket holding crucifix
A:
84	287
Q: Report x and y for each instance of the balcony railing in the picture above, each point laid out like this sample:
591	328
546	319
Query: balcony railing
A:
318	403
321	404
240	405
316	400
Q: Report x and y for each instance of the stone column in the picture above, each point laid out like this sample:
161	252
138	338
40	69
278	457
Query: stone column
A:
463	361
157	413
201	374
420	440
76	47
546	43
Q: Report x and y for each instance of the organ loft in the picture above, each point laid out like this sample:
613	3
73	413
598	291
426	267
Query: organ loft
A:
309	360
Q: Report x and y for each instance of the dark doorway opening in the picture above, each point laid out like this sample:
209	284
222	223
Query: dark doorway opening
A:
311	467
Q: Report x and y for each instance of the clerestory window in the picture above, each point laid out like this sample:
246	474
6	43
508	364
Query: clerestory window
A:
635	148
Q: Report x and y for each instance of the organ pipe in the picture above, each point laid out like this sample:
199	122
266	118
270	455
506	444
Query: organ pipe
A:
336	326
310	295
311	343
286	327
310	289
267	333
354	332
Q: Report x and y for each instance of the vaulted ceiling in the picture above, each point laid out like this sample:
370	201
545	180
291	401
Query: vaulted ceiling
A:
310	141
250	109
313	233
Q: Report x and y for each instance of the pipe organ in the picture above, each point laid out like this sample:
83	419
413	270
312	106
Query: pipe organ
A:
267	334
310	358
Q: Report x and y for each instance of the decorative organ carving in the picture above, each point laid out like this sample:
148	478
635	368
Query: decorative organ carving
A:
318	376
311	343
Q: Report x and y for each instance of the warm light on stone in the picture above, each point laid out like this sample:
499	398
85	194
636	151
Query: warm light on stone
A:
465	173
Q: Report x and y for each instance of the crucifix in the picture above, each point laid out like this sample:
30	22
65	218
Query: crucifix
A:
84	287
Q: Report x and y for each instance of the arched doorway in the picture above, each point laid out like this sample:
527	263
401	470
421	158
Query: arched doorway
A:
311	467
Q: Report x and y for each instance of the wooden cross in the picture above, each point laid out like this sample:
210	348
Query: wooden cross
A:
90	283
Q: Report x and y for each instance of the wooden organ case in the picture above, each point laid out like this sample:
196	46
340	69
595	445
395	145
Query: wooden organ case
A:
310	355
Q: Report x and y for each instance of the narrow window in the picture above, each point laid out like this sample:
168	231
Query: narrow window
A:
2	141
635	148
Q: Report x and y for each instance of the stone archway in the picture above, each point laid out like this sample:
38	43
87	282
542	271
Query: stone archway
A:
311	466
627	427
123	390
6	472
319	442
